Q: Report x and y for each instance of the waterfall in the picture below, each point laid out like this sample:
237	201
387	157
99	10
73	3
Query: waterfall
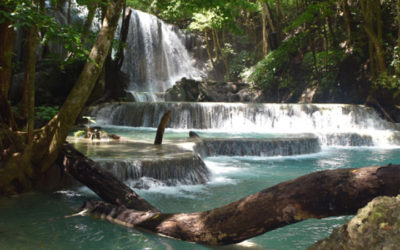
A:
155	56
258	147
184	168
335	124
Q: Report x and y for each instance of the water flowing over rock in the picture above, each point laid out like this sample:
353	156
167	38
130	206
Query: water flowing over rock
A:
155	56
347	139
183	168
334	123
258	147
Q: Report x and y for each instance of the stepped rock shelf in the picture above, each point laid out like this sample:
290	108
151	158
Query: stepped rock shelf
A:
180	162
333	124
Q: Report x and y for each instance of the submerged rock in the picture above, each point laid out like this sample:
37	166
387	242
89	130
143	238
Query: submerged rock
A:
376	226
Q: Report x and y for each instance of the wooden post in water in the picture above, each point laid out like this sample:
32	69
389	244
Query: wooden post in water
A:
161	127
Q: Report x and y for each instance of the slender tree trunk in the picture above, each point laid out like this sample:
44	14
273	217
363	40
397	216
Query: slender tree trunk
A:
269	17
374	73
398	24
208	47
53	135
331	32
89	19
104	184
368	8
316	195
225	55
397	66
347	19
69	12
326	47
215	40
6	51
264	29
29	87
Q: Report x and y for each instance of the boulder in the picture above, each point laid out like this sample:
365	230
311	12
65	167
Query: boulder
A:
187	90
376	226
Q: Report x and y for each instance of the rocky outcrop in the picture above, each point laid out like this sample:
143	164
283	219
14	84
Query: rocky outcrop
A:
376	226
187	90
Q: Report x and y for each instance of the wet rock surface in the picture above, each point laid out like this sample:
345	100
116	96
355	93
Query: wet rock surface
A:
187	90
376	226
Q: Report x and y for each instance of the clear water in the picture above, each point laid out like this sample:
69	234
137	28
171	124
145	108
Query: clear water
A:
37	220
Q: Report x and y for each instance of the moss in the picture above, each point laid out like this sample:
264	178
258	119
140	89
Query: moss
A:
376	226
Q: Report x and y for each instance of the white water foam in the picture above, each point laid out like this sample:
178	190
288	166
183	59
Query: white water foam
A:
155	56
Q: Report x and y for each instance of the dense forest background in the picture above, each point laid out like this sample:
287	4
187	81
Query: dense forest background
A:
313	51
291	51
309	51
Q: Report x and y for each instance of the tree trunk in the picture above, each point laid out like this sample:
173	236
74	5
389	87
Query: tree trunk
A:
215	40
69	12
53	135
29	86
6	51
92	7
398	24
29	162
161	128
368	8
264	29
100	181
208	47
316	195
347	19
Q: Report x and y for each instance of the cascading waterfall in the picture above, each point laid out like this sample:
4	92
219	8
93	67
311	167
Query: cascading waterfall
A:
335	124
258	147
184	168
155	56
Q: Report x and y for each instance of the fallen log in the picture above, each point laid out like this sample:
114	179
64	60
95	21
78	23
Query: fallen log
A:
316	195
103	183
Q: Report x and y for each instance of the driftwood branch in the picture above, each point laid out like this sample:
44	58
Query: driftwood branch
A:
103	183
316	195
161	128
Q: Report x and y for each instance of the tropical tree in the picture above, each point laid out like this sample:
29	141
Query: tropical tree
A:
28	154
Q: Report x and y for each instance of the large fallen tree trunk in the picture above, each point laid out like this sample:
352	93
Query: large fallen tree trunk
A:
316	195
103	183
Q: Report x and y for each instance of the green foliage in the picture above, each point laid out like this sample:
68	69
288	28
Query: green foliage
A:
23	14
240	63
388	82
275	62
201	14
324	67
211	19
324	61
312	14
46	112
396	59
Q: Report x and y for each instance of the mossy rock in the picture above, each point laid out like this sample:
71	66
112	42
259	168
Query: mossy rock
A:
376	226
